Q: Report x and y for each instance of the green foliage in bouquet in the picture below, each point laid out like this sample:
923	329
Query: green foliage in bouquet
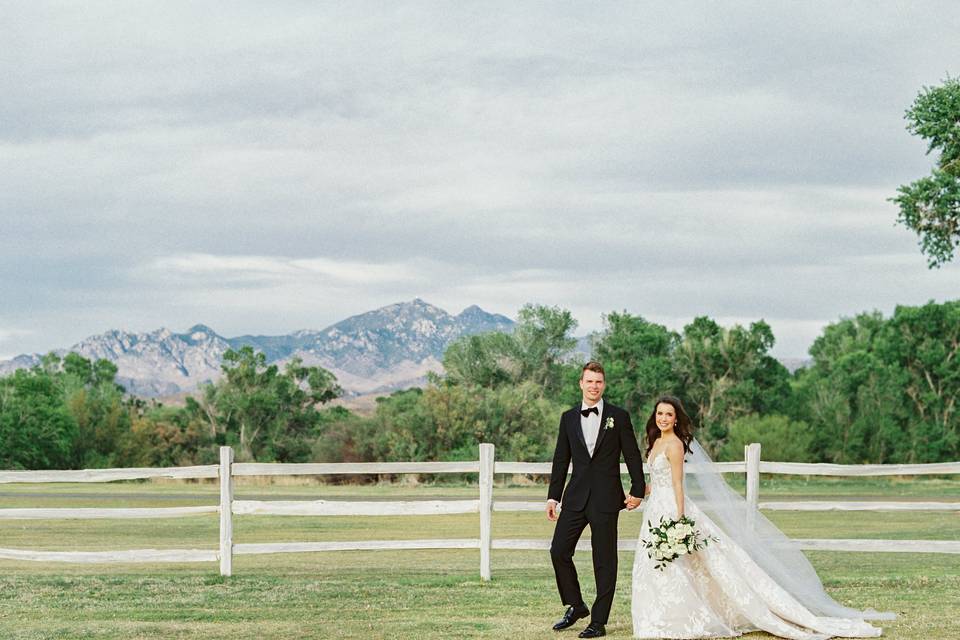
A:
674	538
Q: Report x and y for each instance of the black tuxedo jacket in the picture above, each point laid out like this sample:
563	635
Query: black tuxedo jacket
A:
596	479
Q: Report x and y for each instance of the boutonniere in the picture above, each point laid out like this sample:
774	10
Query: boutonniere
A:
609	423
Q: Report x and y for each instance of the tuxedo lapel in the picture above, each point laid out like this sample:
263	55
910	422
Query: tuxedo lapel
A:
578	429
603	428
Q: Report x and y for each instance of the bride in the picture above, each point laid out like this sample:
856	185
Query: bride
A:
749	577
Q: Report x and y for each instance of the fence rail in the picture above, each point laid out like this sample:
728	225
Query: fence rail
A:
824	469
109	475
485	505
63	513
344	468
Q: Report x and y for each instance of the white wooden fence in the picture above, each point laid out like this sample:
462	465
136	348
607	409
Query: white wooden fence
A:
485	505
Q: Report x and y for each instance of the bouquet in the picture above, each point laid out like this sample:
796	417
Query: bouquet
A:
674	538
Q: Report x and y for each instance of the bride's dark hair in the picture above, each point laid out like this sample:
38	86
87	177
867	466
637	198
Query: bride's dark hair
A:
683	428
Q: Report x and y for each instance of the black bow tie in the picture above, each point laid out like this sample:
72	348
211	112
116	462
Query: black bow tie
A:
587	412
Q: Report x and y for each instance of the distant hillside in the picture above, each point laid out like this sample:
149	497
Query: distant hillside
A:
375	352
385	349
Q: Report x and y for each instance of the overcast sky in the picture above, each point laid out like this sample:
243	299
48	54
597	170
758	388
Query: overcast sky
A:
266	167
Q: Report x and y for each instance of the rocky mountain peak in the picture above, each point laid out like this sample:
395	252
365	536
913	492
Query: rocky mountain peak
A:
472	310
201	328
197	334
384	349
474	316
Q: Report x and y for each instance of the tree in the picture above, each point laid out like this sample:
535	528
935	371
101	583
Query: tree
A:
266	413
727	373
637	357
98	405
924	343
499	388
544	340
167	437
845	393
884	389
401	429
930	206
535	352
485	360
37	430
781	439
342	436
80	401
448	421
517	419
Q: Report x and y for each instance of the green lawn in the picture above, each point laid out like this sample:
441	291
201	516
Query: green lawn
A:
425	595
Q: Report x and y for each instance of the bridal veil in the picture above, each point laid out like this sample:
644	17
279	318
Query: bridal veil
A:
779	556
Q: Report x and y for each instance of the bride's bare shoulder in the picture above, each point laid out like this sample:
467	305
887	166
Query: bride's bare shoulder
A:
674	450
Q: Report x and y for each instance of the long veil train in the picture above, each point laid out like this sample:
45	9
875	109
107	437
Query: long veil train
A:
779	556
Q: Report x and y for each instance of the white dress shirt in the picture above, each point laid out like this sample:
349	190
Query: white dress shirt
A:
591	425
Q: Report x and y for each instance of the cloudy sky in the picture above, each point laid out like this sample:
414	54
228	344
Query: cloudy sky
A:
266	167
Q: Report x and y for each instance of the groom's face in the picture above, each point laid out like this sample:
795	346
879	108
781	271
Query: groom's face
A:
591	384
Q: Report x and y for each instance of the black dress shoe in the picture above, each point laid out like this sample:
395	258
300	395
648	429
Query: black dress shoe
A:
572	615
593	630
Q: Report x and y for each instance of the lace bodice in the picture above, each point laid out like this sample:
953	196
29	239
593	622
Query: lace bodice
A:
661	476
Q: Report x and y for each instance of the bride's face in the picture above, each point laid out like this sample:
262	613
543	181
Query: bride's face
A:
666	417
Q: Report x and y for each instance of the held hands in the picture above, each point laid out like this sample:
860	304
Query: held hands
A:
631	502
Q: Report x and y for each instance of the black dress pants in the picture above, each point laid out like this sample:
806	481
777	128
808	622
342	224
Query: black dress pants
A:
603	539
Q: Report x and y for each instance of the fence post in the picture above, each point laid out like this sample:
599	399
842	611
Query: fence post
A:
751	454
486	508
226	511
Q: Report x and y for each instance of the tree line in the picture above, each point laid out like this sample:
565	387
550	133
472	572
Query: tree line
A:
879	390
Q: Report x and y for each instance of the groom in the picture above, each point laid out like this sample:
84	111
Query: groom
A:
593	435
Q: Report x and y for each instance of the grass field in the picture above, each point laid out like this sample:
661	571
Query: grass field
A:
423	595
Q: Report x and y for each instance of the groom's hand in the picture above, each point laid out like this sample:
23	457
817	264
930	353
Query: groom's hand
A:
631	502
551	510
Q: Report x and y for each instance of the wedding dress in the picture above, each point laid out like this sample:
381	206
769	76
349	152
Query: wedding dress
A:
752	577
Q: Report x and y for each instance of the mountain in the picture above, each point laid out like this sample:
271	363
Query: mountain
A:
389	348
149	364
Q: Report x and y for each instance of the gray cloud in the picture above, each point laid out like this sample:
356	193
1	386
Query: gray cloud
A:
179	163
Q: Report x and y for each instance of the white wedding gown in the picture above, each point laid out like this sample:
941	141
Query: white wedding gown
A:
718	591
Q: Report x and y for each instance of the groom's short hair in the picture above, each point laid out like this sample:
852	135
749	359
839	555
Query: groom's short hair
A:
596	367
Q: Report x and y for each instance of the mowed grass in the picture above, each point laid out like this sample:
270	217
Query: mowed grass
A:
424	595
